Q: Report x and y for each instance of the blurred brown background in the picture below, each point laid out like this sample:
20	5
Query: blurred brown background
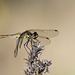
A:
20	15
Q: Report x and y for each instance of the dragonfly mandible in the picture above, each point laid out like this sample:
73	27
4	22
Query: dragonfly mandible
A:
33	34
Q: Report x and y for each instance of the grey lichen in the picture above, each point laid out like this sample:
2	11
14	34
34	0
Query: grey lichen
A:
36	66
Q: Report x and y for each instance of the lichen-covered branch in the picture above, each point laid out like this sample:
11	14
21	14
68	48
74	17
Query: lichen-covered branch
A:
36	66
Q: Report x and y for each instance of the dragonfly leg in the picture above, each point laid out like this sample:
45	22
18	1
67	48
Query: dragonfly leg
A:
26	45
34	42
21	40
16	50
25	48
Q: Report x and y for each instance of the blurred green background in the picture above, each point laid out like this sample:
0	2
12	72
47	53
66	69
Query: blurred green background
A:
20	15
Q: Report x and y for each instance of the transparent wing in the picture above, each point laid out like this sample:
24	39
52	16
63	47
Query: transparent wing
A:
44	41
45	33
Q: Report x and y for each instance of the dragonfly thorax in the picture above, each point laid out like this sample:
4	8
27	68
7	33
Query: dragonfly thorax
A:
29	35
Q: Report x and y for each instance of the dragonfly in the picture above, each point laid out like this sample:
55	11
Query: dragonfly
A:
33	34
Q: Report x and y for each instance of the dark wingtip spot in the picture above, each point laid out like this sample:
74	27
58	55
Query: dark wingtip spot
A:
47	38
56	30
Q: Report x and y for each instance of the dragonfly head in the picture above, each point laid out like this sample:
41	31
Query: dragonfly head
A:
35	35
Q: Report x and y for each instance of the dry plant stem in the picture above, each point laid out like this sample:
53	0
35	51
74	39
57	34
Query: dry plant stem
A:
35	66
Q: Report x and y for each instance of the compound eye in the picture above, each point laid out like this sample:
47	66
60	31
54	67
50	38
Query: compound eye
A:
35	33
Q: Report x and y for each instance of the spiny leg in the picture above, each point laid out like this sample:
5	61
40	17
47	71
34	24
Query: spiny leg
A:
21	40
28	43
26	46
34	42
16	50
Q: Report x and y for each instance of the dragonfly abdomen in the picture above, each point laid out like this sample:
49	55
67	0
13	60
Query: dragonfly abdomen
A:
10	36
